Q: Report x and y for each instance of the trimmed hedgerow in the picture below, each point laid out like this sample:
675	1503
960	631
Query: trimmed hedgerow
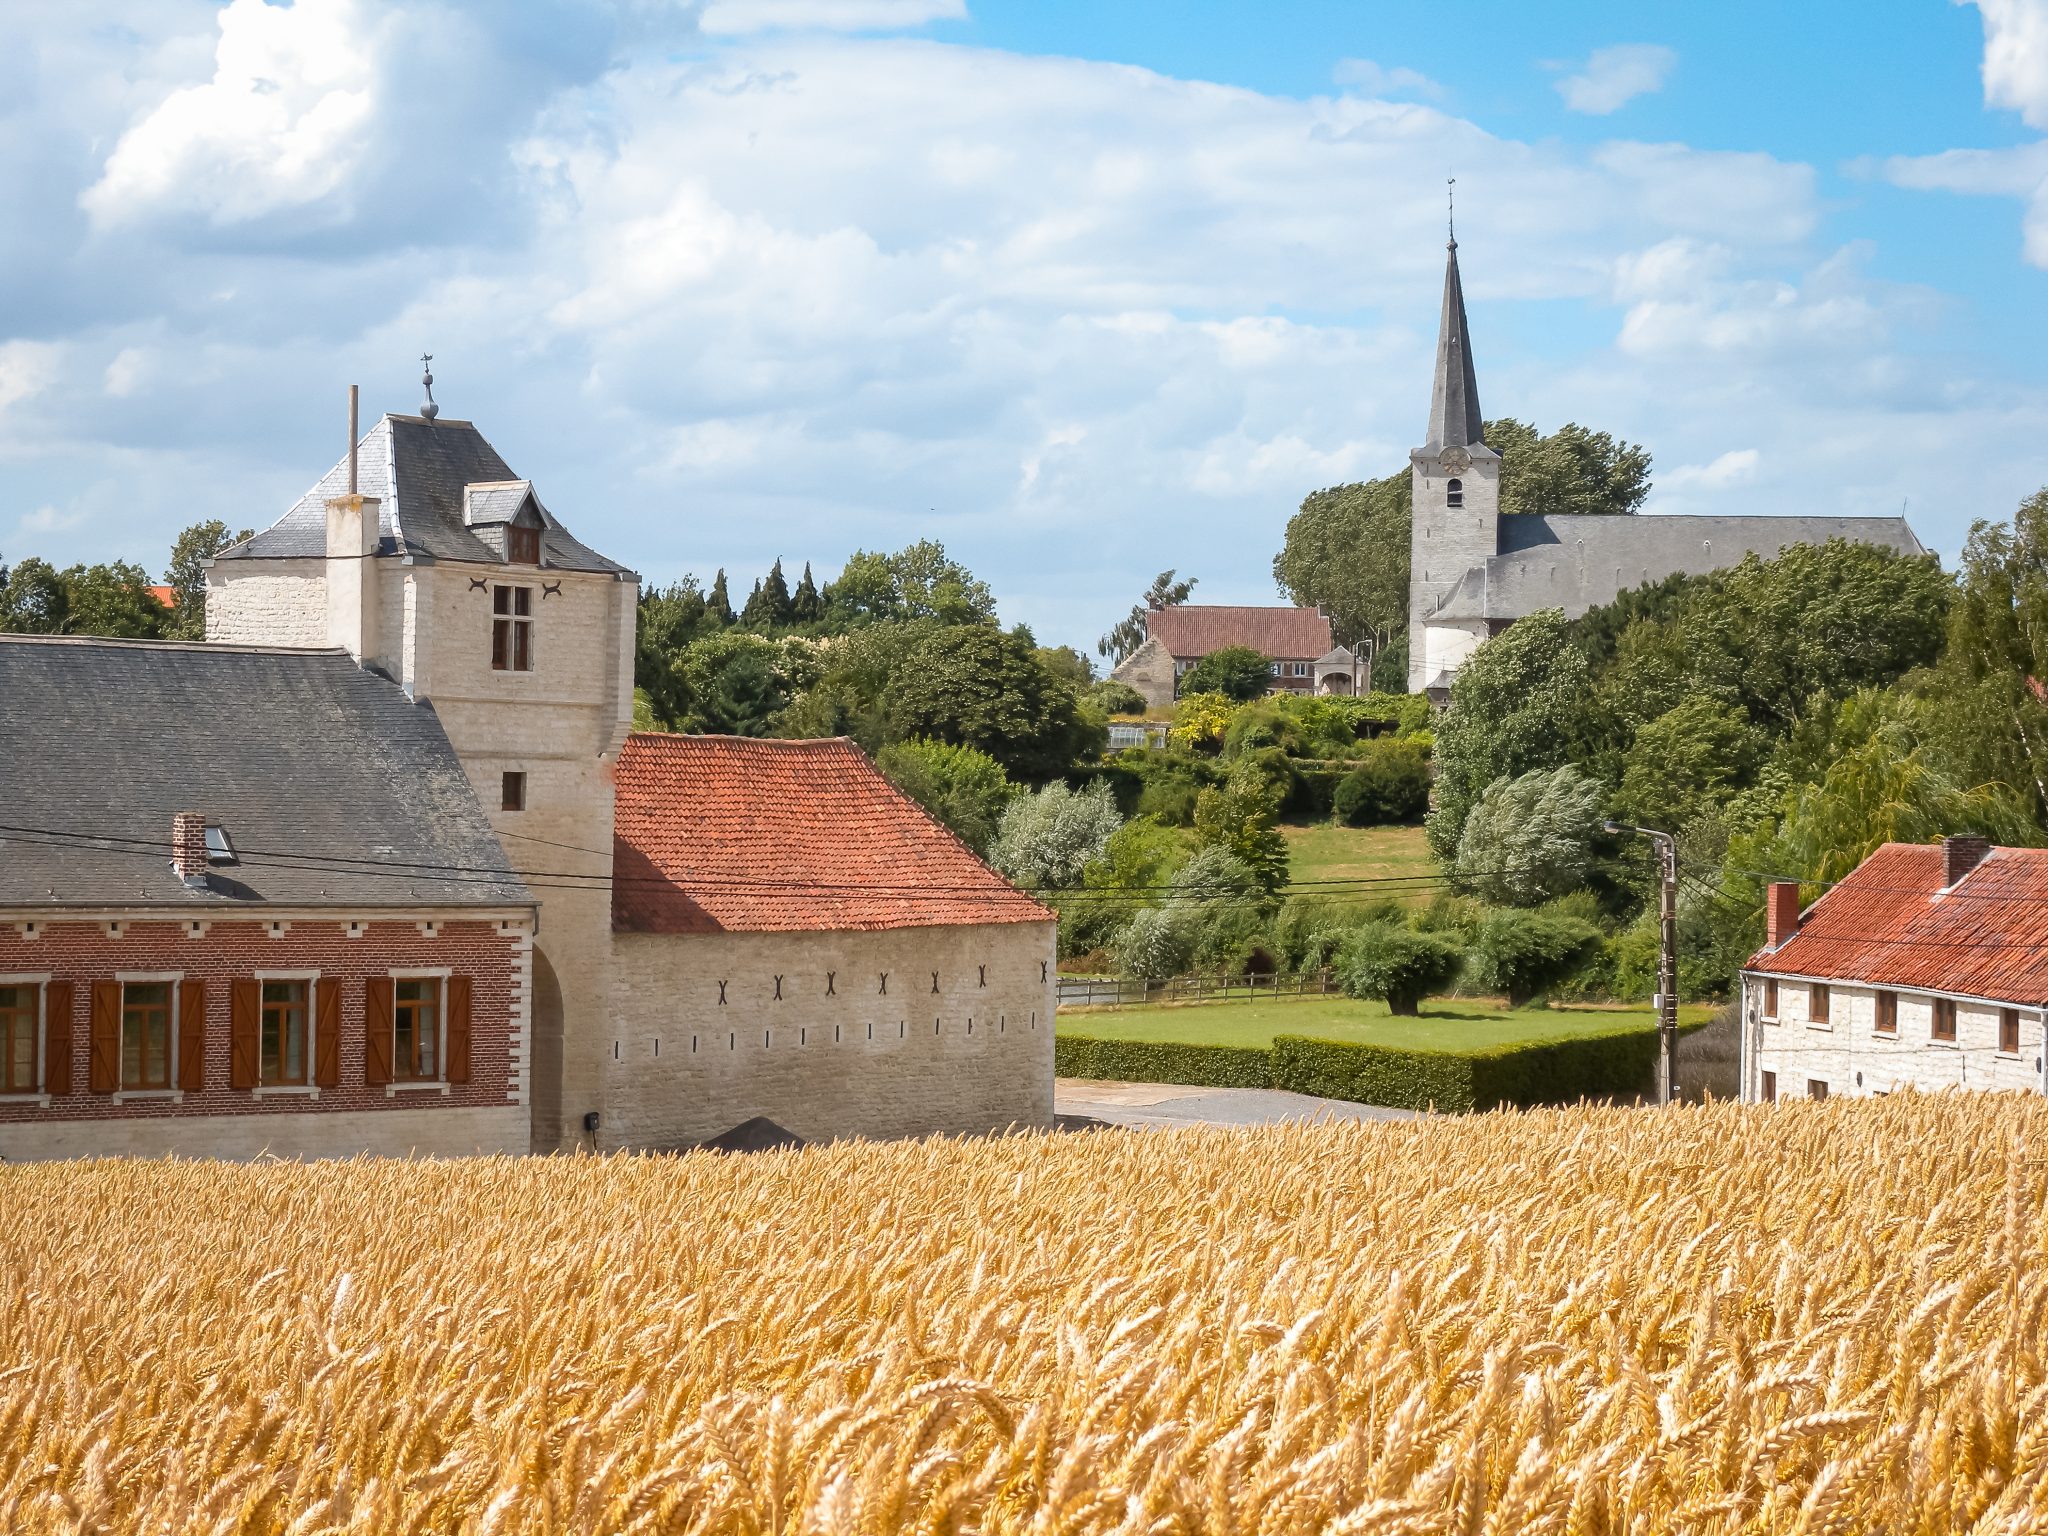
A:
1161	1061
1561	1071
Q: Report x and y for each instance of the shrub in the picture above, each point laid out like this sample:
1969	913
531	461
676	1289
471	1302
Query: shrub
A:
1242	818
1385	960
1160	1061
1525	954
1237	672
1156	943
1529	839
1115	698
1200	721
1562	1071
1049	838
965	789
1390	784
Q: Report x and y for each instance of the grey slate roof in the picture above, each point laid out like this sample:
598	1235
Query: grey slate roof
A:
1454	398
1576	563
305	758
417	469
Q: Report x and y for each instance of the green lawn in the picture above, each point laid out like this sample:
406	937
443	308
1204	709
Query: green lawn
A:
1446	1024
1323	851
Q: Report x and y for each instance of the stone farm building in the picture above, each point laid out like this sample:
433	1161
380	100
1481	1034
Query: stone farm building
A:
1473	571
1295	642
407	743
1927	967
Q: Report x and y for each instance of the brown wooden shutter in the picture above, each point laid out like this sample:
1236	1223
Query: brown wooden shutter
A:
378	1011
192	1035
103	1068
57	1002
327	1034
245	1034
458	1029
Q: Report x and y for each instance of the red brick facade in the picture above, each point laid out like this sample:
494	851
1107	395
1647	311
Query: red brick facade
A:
493	955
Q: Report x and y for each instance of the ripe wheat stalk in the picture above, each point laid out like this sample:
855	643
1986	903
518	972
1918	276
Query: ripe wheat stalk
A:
1807	1319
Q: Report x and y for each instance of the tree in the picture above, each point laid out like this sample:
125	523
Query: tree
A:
186	575
1242	818
1687	762
849	696
1236	671
805	606
719	604
1115	698
1048	838
1157	943
1200	721
1513	708
109	599
1346	551
1525	954
1530	839
1129	633
1390	784
1387	960
36	599
965	789
976	686
919	581
1069	665
1572	471
669	619
735	684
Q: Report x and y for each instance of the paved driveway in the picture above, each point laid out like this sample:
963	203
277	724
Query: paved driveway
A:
1081	1102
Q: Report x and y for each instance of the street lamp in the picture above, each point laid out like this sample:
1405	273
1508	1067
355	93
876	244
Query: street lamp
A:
1667	956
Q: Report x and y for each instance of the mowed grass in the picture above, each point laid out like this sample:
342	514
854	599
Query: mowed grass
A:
1446	1024
1324	852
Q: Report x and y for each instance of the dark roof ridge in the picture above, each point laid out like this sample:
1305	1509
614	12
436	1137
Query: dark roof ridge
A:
217	647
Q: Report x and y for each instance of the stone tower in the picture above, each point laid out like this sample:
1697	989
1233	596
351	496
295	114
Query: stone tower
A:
1456	507
429	561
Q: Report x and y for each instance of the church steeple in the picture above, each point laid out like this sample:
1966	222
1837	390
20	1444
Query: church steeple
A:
1454	402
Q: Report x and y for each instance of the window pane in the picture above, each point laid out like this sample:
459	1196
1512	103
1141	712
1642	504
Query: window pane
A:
522	600
522	647
284	1032
146	1034
501	599
17	1039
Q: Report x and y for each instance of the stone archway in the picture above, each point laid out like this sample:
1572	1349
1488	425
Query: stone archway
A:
544	1056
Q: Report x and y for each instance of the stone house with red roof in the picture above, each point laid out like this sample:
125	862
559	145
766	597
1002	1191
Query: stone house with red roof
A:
1927	968
1295	642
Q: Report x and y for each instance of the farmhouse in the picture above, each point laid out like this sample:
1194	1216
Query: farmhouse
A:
1473	571
247	903
1295	642
1927	967
694	896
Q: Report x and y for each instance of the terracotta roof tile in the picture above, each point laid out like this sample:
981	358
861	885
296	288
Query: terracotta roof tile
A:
1191	629
722	834
1891	924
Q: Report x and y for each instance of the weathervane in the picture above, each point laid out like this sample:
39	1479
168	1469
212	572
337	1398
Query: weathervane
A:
428	409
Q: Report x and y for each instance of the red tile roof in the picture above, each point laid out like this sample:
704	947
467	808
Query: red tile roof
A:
720	834
1891	924
1189	630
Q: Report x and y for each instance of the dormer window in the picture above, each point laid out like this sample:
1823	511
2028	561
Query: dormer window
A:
511	629
522	545
1454	493
218	849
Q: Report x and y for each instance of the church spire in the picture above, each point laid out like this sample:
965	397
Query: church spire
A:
1454	401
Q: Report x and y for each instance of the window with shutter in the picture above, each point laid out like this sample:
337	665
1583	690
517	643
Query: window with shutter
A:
1887	1013
245	1034
327	1034
20	1002
1817	999
377	1019
192	1036
416	1030
458	1029
282	1056
145	1036
1944	1021
1770	1088
103	1066
2009	1031
57	1002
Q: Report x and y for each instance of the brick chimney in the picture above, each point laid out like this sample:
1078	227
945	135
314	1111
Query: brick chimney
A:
1960	854
188	848
1781	912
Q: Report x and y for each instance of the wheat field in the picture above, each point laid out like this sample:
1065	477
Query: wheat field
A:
1808	1318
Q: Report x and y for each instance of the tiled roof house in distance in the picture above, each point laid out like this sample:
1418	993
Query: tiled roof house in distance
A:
1926	967
798	940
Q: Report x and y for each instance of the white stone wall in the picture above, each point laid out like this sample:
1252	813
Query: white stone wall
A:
1852	1057
1444	543
849	1061
335	1133
267	602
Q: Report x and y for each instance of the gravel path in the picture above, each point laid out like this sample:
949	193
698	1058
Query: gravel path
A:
1085	1102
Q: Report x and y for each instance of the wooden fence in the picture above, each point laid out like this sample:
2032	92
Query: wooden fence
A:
1131	992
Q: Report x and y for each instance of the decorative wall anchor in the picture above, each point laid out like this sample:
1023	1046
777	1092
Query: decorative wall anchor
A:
550	589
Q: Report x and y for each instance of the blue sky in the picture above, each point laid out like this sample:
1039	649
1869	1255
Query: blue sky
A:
1084	290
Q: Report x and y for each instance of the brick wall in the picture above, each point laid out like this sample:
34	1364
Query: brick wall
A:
1848	1046
834	1055
355	1115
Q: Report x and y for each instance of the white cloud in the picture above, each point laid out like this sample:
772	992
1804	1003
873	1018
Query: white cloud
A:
734	17
1734	467
2016	56
1370	79
1613	77
26	368
49	520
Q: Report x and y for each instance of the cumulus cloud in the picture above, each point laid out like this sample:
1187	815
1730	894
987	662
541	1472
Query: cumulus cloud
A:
1370	79
1731	468
1613	77
2016	57
734	17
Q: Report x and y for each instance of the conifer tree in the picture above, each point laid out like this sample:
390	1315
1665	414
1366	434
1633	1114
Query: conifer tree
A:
775	596
718	604
805	606
757	614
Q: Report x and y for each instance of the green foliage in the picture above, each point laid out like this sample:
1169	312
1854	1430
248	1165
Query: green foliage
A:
1111	697
965	789
718	605
1237	672
1129	632
849	694
115	600
769	607
1688	762
1530	838
1526	954
1405	714
1160	1061
1346	551
1390	784
1513	707
1573	470
1157	942
974	685
733	683
1387	960
1049	838
186	575
1139	857
1200	721
919	581
806	606
1242	818
1561	1071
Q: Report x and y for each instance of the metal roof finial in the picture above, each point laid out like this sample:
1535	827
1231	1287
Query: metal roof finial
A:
428	409
1451	203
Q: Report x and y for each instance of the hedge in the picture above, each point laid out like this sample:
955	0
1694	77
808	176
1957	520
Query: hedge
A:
1161	1061
1560	1071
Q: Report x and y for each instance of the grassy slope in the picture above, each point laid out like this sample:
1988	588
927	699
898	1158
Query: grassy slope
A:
1445	1025
1325	852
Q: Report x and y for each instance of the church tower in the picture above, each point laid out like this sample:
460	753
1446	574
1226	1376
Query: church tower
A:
1456	509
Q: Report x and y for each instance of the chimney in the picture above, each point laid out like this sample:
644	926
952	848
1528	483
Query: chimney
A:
188	848
352	535
1781	912
1960	854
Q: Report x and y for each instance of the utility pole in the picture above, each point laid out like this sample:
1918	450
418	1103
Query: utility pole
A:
1667	956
